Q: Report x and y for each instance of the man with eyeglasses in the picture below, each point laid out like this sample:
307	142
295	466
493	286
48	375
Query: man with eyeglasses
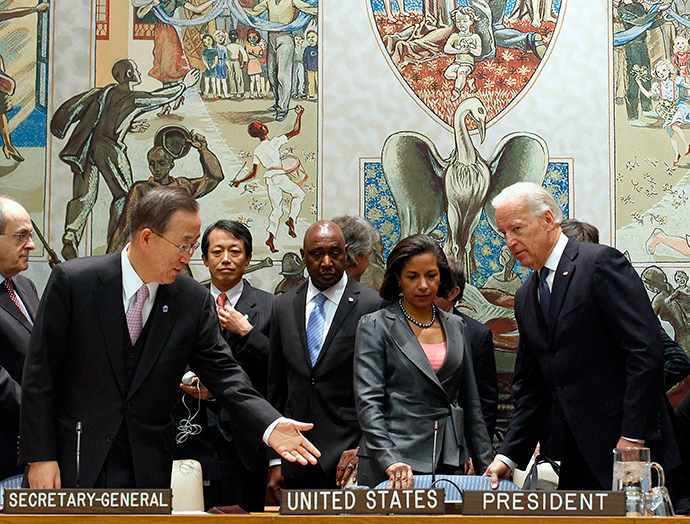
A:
112	339
18	304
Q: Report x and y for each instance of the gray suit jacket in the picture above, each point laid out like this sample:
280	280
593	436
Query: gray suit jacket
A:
399	397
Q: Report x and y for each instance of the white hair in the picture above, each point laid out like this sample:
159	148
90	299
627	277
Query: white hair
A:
537	199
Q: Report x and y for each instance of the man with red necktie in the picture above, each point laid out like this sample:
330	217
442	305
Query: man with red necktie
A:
18	304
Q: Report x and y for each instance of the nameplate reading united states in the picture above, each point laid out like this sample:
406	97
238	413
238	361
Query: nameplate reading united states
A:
44	501
360	501
569	503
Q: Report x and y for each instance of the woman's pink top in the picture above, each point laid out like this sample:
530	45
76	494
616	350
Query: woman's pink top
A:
436	353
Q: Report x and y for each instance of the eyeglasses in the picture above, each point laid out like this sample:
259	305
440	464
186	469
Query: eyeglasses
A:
181	249
23	237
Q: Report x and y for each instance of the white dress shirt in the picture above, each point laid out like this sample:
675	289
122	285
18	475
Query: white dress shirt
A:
333	295
233	294
131	282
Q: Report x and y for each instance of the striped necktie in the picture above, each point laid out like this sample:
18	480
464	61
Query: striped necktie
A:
317	320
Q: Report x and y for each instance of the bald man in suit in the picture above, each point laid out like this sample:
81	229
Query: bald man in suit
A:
18	304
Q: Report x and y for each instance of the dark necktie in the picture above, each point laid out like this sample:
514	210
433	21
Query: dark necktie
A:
544	292
317	320
9	286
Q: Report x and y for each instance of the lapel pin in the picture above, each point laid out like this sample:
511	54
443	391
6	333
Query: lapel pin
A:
165	309
350	299
565	273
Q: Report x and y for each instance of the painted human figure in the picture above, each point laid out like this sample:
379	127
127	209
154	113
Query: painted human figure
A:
281	48
465	46
267	154
210	55
681	52
311	65
634	14
170	62
255	54
669	91
222	64
387	4
8	85
666	308
237	57
161	162
103	116
298	73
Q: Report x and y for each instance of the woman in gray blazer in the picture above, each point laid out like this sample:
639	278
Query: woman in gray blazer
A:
414	378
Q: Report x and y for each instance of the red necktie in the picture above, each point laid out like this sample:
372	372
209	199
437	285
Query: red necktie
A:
9	286
221	300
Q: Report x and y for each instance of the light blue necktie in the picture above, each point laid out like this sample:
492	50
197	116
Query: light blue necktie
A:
317	319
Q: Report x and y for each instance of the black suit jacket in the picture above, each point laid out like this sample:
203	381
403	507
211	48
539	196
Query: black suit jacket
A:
481	342
600	364
251	352
75	371
15	331
323	394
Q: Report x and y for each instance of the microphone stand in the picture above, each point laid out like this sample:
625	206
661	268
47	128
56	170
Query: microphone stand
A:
433	456
78	451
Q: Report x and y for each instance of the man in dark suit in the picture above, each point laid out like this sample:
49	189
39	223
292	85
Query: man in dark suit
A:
481	342
234	465
18	304
311	358
113	336
589	348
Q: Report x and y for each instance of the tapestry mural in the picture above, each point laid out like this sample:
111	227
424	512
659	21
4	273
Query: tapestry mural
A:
412	113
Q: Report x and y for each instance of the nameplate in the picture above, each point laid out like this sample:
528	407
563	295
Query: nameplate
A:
568	503
123	501
360	501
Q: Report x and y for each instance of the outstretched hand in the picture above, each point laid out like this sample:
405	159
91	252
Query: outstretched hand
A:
290	444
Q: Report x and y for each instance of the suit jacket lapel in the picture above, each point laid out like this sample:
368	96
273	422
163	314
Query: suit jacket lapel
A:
561	281
111	314
246	304
28	296
347	303
300	303
162	319
404	338
9	306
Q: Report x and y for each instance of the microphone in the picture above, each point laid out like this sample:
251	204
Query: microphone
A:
433	456
78	450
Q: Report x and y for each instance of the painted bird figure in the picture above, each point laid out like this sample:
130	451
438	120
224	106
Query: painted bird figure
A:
425	186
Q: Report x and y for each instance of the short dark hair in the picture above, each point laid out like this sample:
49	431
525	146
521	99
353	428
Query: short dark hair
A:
403	251
458	275
256	130
580	231
235	228
121	68
157	206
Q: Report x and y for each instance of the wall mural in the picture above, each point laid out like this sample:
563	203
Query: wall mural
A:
222	98
24	51
652	152
231	116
